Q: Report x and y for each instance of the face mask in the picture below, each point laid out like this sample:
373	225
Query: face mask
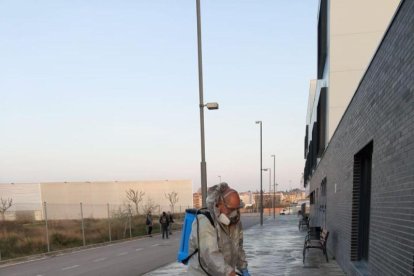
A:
224	219
234	217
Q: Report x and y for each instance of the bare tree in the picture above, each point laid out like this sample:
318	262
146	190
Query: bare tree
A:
136	197
5	204
150	205
123	214
173	199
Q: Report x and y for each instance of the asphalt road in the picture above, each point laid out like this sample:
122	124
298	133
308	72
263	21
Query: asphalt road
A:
134	257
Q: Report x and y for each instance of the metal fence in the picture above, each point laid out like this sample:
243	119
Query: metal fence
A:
33	229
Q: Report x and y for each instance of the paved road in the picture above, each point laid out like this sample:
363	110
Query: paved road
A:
127	258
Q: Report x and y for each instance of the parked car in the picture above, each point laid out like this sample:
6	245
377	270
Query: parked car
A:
285	211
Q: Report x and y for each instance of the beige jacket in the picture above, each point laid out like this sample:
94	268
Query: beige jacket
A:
221	248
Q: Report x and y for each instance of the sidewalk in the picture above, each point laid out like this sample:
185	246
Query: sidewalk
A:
275	249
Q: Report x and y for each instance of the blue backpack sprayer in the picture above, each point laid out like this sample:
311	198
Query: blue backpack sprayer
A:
190	214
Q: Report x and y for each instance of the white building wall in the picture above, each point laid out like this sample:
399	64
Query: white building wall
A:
355	30
25	196
63	198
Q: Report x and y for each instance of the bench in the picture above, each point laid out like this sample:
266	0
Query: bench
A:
316	238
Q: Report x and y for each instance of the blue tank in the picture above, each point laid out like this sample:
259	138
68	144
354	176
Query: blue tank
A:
190	215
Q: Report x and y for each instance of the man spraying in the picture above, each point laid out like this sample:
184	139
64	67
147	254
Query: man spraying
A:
218	244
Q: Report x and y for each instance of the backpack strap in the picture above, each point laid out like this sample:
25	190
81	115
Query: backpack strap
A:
207	214
185	261
203	211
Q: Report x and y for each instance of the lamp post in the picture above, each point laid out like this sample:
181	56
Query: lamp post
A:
261	175
270	180
274	185
290	194
219	176
210	106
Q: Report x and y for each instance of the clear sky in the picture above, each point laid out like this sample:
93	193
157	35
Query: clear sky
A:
108	90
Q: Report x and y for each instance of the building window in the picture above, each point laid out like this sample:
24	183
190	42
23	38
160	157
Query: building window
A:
313	149
306	140
322	37
361	202
322	205
312	198
323	187
321	121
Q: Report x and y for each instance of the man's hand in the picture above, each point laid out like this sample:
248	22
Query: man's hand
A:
233	273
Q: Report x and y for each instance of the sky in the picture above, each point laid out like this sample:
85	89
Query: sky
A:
108	90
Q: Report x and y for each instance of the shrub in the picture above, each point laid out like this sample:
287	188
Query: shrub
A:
59	240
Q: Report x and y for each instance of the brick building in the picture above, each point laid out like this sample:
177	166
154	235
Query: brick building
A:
360	177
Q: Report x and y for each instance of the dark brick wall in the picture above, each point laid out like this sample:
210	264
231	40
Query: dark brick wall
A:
381	111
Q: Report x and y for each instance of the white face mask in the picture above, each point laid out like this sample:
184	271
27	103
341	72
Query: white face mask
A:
231	218
224	219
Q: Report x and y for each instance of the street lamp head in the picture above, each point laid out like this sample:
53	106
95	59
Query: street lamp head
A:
273	155
212	106
265	169
258	122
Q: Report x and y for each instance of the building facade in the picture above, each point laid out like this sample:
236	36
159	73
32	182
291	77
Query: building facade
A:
99	199
349	33
361	178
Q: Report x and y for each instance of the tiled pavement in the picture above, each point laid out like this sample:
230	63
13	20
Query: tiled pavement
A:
275	249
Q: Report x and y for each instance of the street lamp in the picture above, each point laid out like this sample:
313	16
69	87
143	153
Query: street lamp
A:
274	185
210	106
261	175
270	180
219	176
290	194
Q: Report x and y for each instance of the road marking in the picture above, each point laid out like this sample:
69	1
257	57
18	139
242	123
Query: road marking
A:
122	254
70	267
99	260
139	249
157	244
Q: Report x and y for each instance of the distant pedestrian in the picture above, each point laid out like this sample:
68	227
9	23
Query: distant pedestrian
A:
170	222
164	221
148	223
